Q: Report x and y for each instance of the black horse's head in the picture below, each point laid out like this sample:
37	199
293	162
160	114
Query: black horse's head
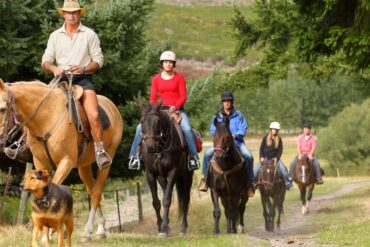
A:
222	140
151	127
267	175
304	171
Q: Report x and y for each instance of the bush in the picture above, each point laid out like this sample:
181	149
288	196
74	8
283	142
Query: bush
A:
345	142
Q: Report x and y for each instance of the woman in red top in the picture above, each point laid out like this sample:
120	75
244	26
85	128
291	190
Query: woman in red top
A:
170	87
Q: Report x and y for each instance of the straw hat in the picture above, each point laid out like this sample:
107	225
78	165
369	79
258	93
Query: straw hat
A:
70	6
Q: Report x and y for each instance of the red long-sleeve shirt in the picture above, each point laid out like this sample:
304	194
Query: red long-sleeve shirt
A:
172	91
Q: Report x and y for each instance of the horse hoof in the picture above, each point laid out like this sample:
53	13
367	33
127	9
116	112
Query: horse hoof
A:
85	239
162	235
240	229
101	236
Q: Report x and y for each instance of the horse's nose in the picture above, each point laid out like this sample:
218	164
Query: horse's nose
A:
218	157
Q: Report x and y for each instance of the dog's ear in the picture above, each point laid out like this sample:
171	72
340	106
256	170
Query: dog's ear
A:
42	174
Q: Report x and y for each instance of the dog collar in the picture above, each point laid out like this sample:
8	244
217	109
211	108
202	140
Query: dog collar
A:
44	202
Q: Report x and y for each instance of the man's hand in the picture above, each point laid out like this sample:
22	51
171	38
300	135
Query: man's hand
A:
76	69
57	71
310	156
299	157
262	159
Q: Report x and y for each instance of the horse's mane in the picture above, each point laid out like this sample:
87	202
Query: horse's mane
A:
33	83
223	129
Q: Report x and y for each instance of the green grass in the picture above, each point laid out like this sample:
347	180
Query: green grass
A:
196	32
347	222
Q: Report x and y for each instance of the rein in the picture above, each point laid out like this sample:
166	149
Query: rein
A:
10	133
227	173
17	125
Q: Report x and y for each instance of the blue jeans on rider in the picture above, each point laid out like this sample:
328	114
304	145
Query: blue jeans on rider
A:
185	127
316	165
282	169
244	152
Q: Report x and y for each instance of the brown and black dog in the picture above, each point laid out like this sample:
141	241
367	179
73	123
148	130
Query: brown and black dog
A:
52	207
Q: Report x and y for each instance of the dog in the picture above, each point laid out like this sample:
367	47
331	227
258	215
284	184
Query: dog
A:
52	207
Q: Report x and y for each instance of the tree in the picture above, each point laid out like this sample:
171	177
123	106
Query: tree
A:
120	24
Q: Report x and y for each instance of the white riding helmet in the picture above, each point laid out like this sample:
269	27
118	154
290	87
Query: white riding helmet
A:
275	125
168	56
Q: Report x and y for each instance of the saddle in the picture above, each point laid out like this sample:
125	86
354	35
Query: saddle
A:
79	115
176	119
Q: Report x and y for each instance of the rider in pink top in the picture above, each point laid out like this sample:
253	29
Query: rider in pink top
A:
306	145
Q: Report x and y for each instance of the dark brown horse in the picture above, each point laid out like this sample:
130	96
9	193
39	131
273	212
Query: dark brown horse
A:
227	179
165	162
272	188
305	179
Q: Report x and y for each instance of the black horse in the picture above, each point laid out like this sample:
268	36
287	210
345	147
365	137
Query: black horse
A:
272	188
165	162
228	179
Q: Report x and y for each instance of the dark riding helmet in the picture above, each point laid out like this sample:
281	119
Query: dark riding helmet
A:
227	96
307	125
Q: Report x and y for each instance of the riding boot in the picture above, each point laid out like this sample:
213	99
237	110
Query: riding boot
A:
204	182
317	172
193	163
103	160
21	152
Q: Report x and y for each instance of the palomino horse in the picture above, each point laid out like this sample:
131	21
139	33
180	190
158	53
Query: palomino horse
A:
43	110
227	179
272	188
305	179
165	162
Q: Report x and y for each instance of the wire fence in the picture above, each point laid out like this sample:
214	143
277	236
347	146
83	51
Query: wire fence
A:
122	205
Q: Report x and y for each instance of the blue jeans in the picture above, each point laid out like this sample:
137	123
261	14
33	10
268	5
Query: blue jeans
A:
185	127
282	169
244	152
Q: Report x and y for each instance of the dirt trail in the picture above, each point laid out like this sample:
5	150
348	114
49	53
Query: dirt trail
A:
297	229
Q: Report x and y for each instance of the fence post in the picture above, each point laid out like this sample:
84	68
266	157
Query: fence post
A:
5	192
118	211
139	202
24	198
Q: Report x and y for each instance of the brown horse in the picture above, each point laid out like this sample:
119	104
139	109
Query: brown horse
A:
227	179
43	110
165	161
305	179
272	188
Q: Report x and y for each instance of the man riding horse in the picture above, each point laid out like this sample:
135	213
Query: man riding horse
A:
76	48
238	127
170	87
306	144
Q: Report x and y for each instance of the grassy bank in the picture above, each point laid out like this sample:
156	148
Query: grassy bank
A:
195	32
348	221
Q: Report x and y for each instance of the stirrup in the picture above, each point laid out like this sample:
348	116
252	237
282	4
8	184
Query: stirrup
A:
134	163
9	150
103	160
193	164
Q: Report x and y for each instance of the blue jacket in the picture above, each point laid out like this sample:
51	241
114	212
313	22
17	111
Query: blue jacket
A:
238	125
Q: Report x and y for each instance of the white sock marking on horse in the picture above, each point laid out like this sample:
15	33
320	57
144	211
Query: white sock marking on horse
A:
101	222
303	174
90	224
